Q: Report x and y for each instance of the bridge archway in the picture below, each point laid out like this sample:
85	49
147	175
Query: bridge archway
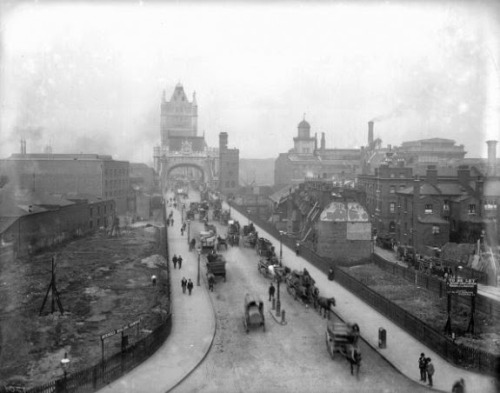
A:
200	169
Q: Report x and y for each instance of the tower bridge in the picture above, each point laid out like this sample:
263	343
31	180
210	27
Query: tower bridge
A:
185	155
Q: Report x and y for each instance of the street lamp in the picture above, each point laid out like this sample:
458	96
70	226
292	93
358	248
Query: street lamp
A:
278	300
189	227
199	257
65	364
281	246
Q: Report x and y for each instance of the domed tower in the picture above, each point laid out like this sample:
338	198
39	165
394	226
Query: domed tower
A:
304	143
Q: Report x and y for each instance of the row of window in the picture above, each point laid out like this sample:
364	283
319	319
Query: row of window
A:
116	172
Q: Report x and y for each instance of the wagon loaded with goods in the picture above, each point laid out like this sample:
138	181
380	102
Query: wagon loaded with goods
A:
233	233
301	286
266	266
208	240
216	265
253	312
342	338
264	247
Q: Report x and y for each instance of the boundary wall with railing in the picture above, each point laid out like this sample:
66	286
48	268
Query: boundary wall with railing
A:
96	377
458	354
438	286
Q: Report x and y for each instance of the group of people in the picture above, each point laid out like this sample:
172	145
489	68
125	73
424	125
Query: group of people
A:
426	368
187	284
170	219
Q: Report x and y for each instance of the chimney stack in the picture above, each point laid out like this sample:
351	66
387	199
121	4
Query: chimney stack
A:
370	132
432	174
492	158
222	141
323	142
23	147
463	174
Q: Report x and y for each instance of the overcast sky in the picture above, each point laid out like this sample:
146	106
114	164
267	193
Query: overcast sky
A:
89	78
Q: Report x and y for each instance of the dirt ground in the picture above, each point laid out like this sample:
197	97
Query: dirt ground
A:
104	283
429	308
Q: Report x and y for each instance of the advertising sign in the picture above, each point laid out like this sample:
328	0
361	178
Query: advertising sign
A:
461	288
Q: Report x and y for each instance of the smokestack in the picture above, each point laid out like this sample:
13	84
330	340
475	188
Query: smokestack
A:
370	132
492	158
323	143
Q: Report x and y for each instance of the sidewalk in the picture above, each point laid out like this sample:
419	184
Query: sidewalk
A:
402	349
193	328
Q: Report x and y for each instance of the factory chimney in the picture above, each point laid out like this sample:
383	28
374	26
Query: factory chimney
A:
370	133
492	158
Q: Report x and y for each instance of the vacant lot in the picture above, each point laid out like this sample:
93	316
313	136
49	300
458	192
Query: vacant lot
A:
104	283
429	308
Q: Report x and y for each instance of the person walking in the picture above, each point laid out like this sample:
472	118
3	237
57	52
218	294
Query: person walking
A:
190	286
422	365
458	386
184	284
182	231
174	260
297	248
153	280
430	370
172	222
179	261
272	289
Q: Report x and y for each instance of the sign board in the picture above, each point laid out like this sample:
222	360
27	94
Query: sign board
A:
461	288
119	330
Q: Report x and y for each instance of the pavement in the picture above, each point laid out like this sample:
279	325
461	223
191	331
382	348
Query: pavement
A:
194	327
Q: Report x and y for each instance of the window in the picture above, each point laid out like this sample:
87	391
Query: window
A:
446	206
472	208
490	205
393	189
392	207
428	208
435	229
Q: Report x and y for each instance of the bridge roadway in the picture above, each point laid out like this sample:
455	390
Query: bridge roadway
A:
209	351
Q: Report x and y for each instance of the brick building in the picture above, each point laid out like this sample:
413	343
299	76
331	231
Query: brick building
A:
90	174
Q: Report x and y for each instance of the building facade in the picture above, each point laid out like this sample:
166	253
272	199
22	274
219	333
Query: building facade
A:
91	174
308	161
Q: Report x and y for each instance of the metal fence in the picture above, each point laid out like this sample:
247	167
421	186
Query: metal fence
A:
95	377
458	354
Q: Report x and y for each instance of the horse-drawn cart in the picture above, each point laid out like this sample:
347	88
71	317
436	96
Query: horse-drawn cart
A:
216	265
266	266
343	338
301	286
254	312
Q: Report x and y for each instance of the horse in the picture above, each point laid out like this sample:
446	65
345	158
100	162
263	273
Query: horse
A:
211	281
324	305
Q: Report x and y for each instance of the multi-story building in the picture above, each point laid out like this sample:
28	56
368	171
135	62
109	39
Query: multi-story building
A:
228	166
91	174
307	161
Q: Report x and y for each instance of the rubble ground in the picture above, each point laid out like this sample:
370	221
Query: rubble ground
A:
429	308
104	283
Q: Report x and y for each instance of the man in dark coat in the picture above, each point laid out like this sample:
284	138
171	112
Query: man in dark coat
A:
184	284
174	260
422	365
190	286
179	261
271	292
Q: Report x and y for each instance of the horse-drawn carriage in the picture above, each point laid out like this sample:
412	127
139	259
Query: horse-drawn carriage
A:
343	338
264	247
301	286
216	265
216	214
254	312
221	243
190	214
233	233
267	266
225	216
208	240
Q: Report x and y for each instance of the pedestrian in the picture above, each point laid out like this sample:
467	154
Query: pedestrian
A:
430	370
172	222
192	245
459	386
174	260
179	261
182	231
271	291
153	280
184	284
297	247
190	286
422	365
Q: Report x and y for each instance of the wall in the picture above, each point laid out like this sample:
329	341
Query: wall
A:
333	243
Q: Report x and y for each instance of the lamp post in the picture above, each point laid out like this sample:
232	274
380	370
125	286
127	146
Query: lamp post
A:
189	227
64	365
278	300
281	247
198	276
